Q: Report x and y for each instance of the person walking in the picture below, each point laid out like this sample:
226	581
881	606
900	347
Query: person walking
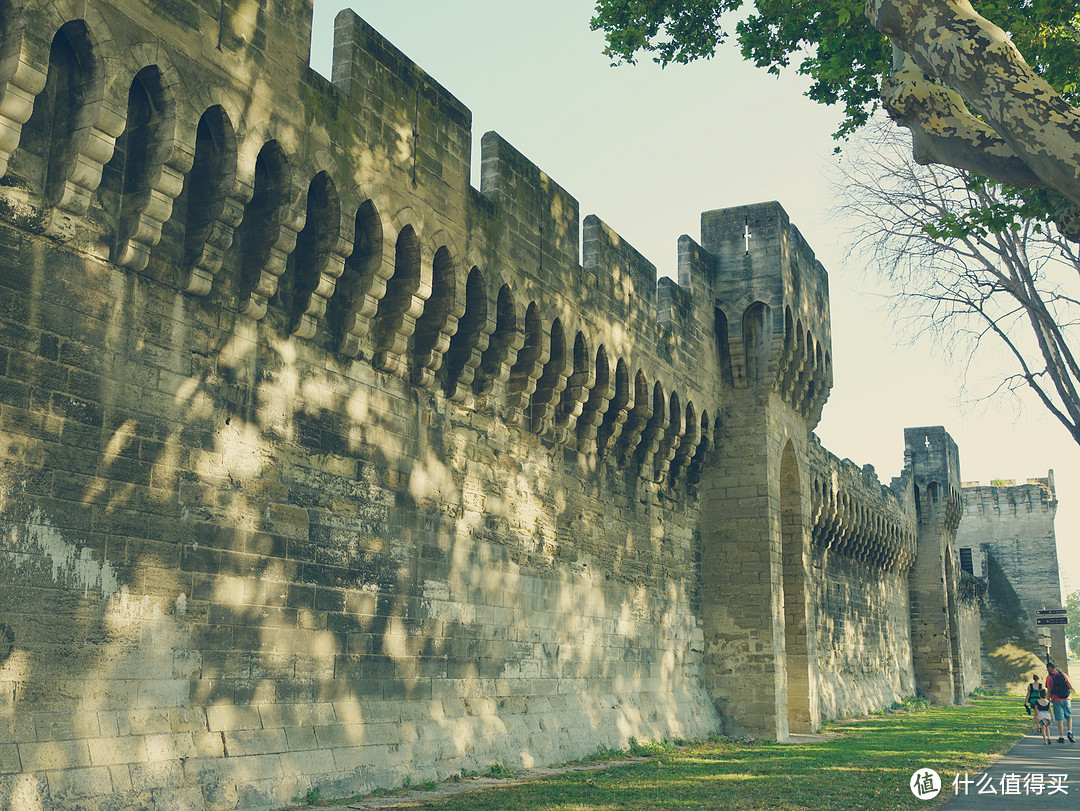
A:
1058	688
1032	697
1042	715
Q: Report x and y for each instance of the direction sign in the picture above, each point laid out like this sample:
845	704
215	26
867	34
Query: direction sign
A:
1052	611
1051	620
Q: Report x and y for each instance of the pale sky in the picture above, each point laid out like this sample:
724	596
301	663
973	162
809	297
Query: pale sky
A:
647	150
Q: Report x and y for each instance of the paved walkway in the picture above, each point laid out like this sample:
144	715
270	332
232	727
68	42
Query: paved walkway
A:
1016	776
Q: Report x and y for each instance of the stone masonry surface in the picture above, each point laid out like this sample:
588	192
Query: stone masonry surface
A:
322	467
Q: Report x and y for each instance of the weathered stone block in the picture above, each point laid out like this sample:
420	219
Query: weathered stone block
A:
227	717
51	755
127	749
9	759
72	783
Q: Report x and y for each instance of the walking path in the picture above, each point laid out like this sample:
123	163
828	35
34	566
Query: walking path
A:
1031	775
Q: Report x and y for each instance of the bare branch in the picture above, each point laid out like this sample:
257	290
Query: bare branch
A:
1013	287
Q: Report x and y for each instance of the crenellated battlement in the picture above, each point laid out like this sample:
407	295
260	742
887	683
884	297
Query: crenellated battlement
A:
342	213
773	305
853	514
1005	495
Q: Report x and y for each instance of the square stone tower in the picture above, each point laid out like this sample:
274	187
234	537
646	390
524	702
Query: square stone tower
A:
934	462
1007	537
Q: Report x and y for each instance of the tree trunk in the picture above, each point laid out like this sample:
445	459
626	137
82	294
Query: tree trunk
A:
1029	122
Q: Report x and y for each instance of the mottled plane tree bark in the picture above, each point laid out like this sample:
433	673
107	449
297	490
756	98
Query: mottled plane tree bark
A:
970	99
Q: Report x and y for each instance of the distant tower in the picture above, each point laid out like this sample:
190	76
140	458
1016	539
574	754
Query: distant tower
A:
1007	535
934	462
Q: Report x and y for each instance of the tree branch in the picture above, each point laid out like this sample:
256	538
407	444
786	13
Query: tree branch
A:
943	131
949	41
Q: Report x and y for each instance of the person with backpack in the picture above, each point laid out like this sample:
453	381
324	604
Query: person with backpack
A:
1059	688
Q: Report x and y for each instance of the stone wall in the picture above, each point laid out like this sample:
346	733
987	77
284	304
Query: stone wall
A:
970	616
1014	524
324	468
864	653
242	577
860	588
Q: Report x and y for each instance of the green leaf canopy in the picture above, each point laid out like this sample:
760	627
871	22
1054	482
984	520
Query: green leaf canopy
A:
829	41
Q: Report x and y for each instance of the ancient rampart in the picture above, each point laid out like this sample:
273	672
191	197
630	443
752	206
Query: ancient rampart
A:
324	468
1007	541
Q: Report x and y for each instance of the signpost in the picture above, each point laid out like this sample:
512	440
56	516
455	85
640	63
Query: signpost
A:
1045	617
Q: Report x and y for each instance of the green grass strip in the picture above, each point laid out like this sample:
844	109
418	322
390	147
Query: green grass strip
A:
866	766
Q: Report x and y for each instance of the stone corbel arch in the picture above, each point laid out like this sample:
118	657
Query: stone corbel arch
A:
197	275
639	410
655	429
687	447
620	401
552	379
672	436
402	305
597	400
99	121
168	164
429	360
793	355
528	364
332	265
823	383
506	339
581	377
475	328
800	397
373	273
21	79
811	377
701	450
288	217
803	351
